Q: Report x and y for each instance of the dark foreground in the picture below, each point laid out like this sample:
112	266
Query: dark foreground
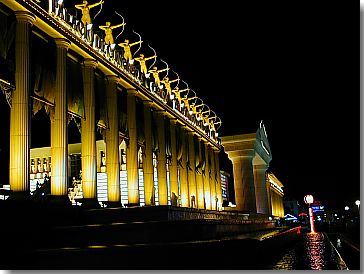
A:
33	238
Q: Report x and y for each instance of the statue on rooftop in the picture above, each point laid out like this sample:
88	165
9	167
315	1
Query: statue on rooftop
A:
155	72
127	52
141	59
167	83
109	38
85	8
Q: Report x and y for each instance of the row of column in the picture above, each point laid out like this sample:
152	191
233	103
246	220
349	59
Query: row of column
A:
250	184
197	189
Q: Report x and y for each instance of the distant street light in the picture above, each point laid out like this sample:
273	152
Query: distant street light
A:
346	208
357	202
309	200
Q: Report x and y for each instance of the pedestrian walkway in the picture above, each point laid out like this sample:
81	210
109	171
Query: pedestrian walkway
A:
313	252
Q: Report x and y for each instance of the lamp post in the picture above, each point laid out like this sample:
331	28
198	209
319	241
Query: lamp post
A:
309	200
357	202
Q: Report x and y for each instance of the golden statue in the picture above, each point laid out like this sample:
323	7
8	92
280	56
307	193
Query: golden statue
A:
168	83
85	7
127	46
141	59
155	73
109	39
178	92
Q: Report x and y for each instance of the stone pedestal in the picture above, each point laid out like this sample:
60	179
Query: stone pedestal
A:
112	142
20	112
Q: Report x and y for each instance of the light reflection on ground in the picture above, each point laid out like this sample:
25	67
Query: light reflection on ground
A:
313	252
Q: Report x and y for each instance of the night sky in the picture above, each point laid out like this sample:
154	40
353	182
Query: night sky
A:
292	64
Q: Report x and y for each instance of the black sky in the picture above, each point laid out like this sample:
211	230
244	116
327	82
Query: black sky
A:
293	64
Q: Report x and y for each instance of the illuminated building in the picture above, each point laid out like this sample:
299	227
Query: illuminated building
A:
225	177
160	144
157	148
275	195
256	190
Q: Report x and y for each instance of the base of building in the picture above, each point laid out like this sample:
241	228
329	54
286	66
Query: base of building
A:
90	203
113	204
19	196
62	200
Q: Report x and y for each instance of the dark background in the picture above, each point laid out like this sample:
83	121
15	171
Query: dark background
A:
292	64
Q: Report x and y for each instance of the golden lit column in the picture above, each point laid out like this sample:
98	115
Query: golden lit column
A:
148	157
88	135
213	180
112	142
173	166
20	112
192	188
183	171
161	168
244	183
132	149
218	177
206	178
59	124
199	180
269	198
261	188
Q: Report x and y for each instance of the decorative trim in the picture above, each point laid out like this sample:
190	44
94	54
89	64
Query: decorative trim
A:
7	90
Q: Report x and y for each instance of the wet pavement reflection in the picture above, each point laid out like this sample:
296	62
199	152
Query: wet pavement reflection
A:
313	252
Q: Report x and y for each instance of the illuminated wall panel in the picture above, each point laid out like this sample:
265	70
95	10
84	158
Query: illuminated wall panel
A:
102	187
141	187
124	186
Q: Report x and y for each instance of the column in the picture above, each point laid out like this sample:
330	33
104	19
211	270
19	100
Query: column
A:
148	157
183	171
112	142
261	188
173	177
269	197
88	136
212	179
218	182
20	112
161	157
132	149
199	180
206	178
244	183
59	125
192	188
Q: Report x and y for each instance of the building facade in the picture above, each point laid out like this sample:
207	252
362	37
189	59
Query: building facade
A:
166	136
256	190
